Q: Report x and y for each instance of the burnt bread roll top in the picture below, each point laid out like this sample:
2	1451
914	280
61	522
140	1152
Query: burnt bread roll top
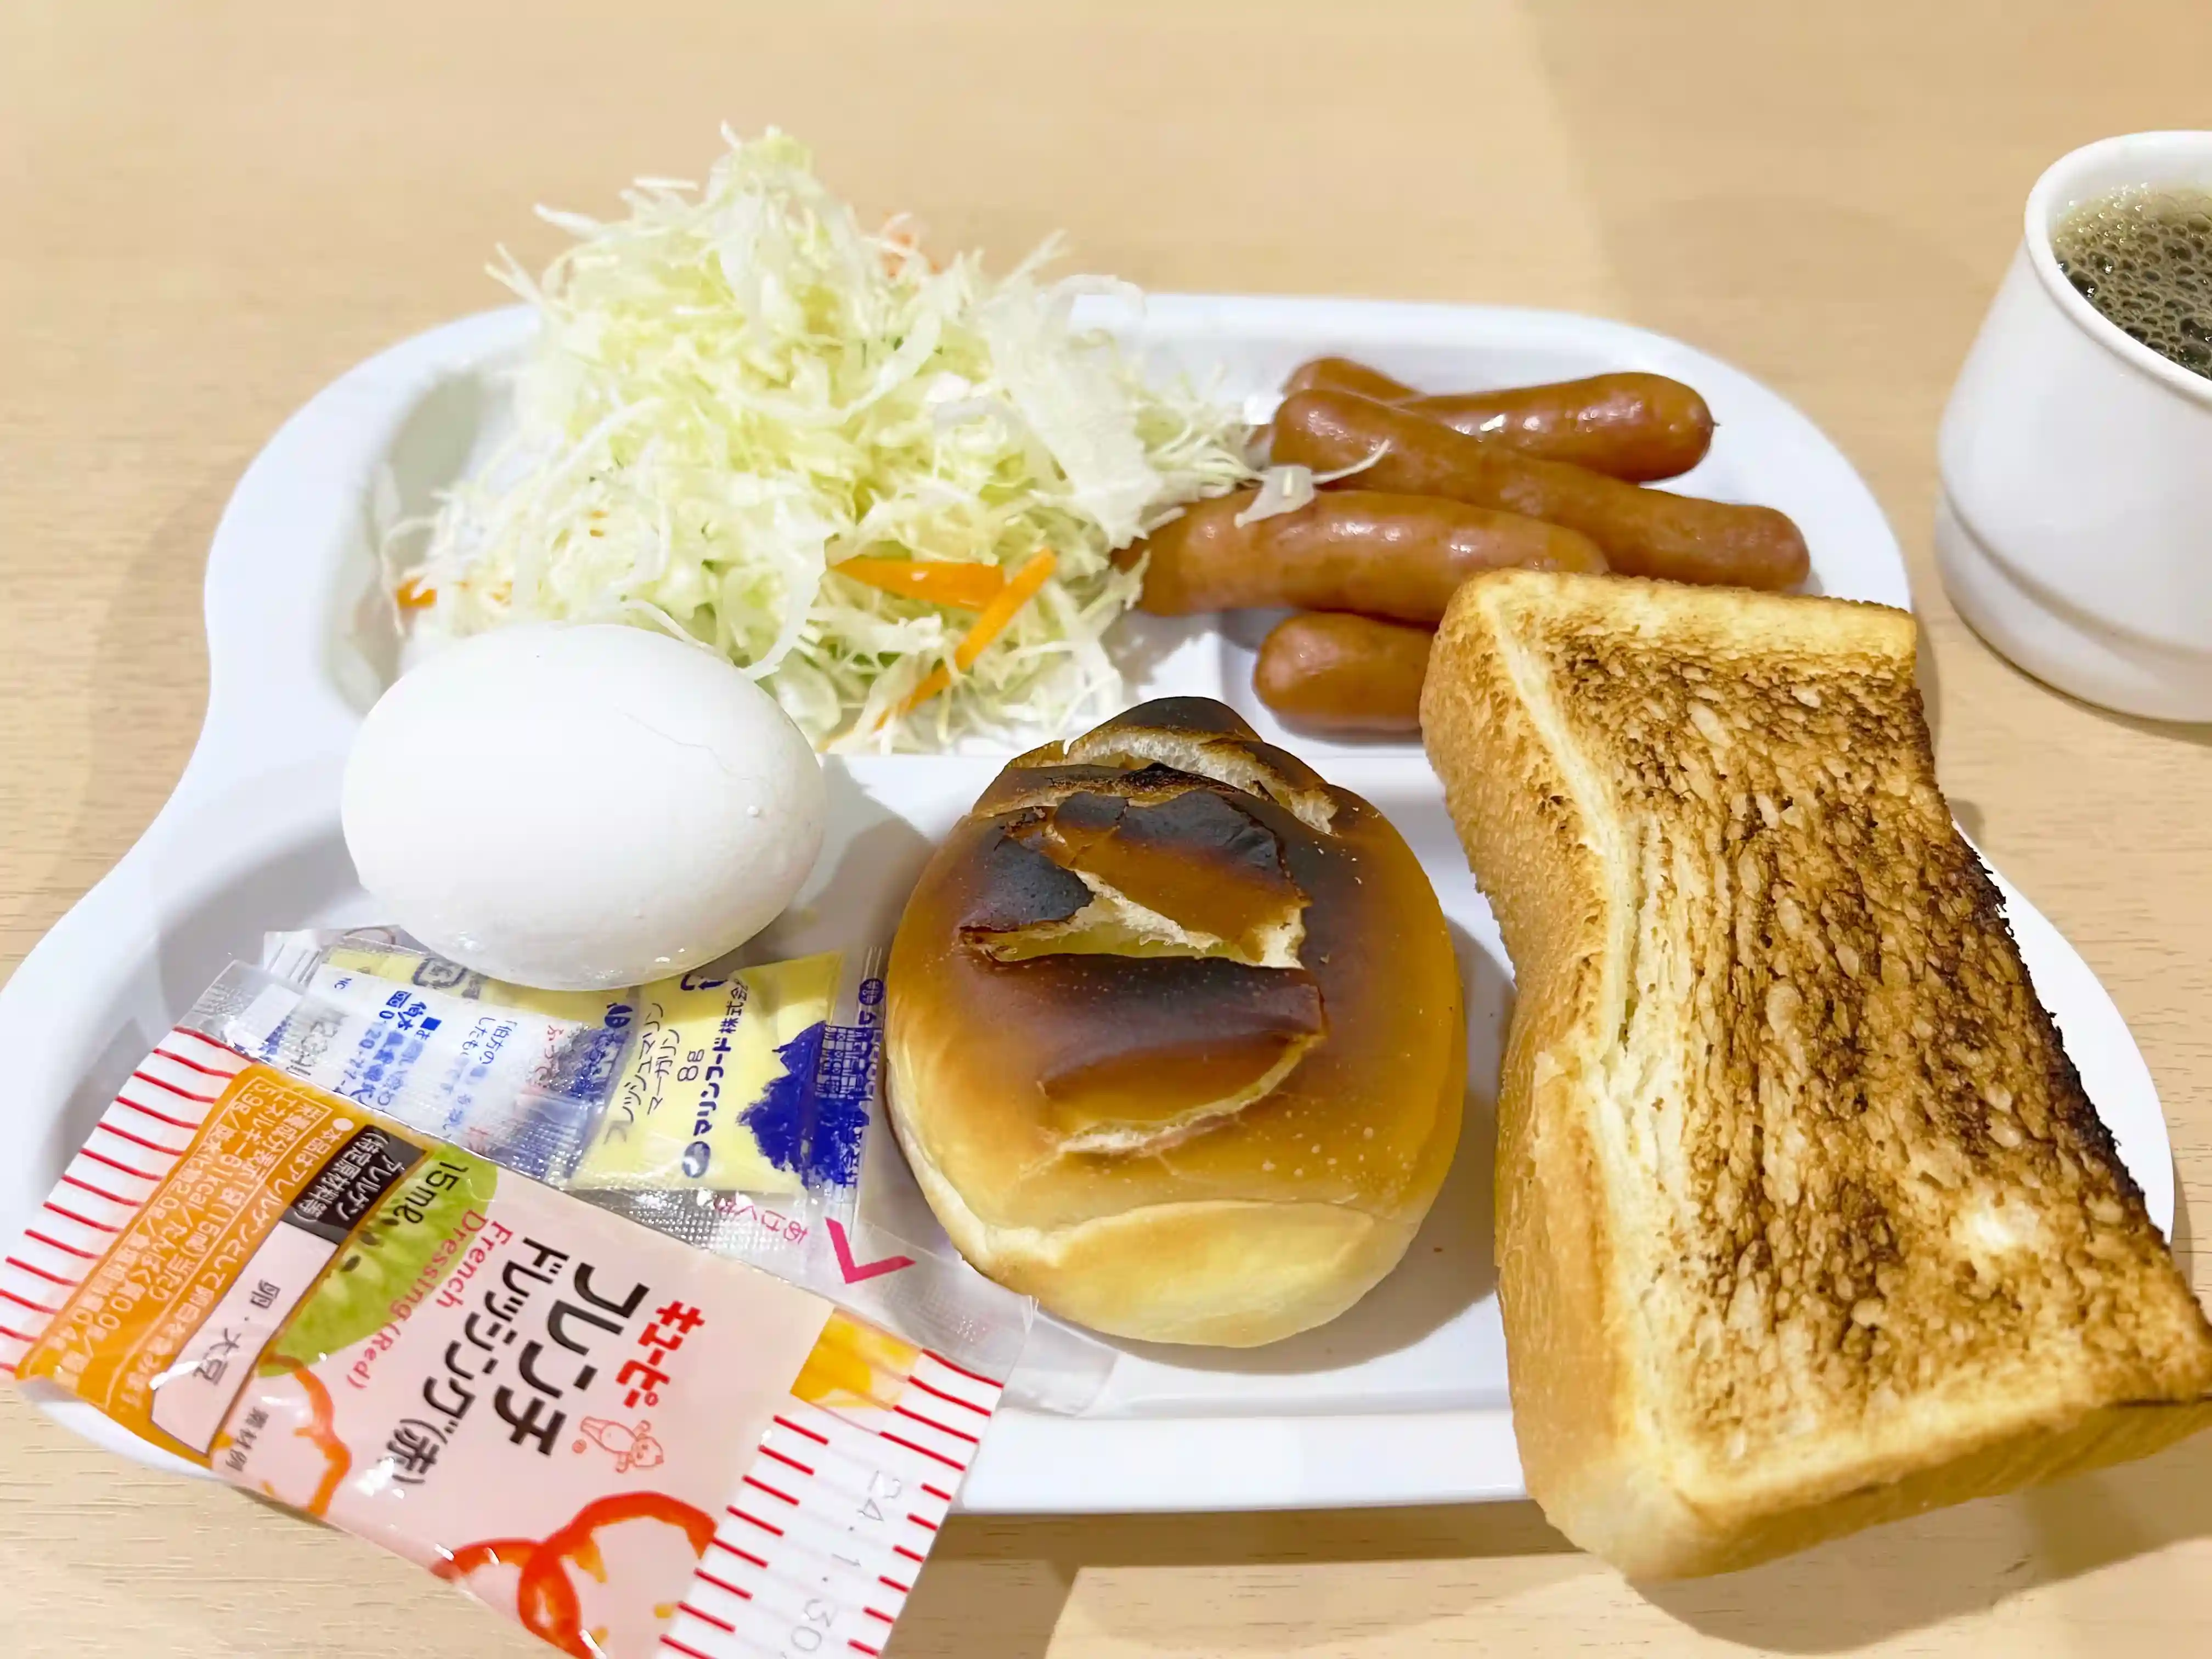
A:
1174	1033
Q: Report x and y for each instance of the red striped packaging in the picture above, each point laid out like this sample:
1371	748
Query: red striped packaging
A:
393	1334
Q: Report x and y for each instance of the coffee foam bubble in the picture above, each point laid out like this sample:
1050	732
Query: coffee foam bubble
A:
2143	259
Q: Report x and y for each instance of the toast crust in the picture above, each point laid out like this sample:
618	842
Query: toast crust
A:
1804	1221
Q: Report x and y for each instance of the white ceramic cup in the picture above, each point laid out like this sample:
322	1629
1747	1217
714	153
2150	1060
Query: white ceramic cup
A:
2075	528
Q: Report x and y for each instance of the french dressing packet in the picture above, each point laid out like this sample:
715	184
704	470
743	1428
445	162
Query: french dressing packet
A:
626	1443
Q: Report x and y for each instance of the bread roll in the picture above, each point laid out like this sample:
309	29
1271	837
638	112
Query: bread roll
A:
1174	1034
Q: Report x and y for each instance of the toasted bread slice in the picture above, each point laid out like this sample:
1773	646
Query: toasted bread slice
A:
1804	1221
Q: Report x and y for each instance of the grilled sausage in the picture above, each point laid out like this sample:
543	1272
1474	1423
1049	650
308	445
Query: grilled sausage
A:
1323	671
1348	550
1343	374
1641	532
1633	426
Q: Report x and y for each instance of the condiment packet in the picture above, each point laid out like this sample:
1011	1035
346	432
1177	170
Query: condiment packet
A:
625	1443
753	1078
525	1088
721	1090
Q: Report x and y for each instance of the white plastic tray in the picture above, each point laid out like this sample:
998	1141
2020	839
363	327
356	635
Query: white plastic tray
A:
1401	1401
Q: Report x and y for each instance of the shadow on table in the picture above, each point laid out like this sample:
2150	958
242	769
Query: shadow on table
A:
996	1588
1963	1563
1011	1579
2196	734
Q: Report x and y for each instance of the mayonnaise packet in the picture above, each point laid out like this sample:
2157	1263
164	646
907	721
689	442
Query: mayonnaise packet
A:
623	1442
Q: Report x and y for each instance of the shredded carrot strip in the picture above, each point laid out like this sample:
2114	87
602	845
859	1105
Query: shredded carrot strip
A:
413	596
968	585
929	685
1018	592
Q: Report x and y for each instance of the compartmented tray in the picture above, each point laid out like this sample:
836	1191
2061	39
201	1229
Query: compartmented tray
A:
1403	1399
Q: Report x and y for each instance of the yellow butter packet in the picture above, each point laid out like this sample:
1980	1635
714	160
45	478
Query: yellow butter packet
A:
717	1090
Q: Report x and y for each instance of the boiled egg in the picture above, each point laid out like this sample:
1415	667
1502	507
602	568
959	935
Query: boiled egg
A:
580	806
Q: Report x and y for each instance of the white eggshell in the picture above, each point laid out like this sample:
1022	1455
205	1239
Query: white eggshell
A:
582	806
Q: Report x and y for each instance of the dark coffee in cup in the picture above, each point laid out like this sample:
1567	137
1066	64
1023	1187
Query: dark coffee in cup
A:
2143	258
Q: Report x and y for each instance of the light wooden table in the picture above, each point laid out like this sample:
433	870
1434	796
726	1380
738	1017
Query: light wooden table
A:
207	211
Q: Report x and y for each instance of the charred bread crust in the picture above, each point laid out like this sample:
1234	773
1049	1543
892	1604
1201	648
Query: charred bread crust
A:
1174	1033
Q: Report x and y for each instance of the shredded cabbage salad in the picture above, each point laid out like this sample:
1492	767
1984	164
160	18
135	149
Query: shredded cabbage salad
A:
736	389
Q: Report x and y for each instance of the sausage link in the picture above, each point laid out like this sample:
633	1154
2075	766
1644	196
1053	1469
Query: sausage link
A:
1330	374
1347	550
1641	532
1328	672
1632	425
1343	374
